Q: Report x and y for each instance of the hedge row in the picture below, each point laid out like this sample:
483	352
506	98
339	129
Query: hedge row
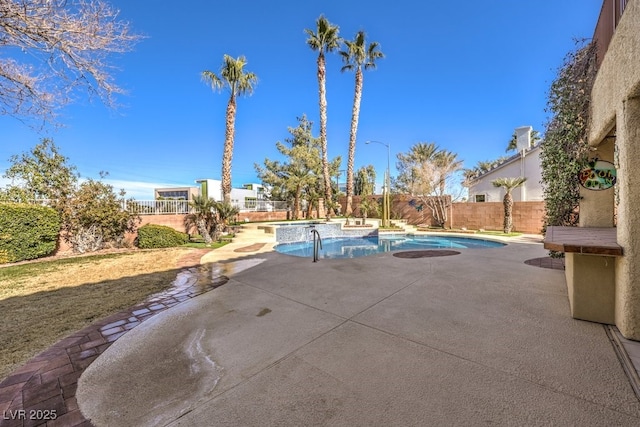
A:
27	231
152	236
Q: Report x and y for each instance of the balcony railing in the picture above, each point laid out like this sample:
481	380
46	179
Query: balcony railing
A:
166	207
608	20
178	207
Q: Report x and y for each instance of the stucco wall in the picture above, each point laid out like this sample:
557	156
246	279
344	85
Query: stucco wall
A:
618	76
615	113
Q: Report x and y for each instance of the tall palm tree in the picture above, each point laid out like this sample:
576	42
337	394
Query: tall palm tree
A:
356	57
239	82
325	39
508	184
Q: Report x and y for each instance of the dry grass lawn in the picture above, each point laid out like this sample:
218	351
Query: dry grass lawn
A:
42	302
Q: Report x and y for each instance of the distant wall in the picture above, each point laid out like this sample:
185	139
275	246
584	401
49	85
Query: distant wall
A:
528	217
177	223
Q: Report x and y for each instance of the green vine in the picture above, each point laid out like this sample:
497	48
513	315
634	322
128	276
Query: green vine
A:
565	149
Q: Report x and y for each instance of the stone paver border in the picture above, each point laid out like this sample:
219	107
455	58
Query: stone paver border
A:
46	385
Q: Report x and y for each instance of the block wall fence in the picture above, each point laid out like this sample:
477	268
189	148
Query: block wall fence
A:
528	217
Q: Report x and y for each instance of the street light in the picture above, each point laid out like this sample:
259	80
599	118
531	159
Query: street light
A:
386	211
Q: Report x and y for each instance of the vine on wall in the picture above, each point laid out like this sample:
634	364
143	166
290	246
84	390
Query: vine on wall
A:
565	149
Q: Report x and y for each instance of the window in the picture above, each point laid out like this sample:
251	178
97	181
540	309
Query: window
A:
174	195
249	202
480	198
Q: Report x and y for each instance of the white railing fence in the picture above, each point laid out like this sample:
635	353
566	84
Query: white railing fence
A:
176	207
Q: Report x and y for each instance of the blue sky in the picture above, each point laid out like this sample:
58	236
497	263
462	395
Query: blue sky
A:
462	74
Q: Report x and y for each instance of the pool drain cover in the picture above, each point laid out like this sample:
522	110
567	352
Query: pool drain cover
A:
424	254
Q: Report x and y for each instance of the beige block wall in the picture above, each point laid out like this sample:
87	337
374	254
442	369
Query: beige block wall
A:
528	217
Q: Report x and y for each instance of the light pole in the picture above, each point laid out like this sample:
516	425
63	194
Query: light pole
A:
386	205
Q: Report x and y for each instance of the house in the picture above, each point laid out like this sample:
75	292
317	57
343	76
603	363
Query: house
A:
525	163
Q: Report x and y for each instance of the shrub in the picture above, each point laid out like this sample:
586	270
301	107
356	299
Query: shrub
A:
27	231
152	236
94	218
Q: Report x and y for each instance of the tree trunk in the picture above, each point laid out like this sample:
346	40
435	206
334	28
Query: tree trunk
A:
202	229
323	125
508	209
228	149
296	202
355	114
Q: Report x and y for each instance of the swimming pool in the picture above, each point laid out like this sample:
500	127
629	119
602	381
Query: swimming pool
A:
364	246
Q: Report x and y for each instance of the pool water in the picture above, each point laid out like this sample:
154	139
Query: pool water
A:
358	247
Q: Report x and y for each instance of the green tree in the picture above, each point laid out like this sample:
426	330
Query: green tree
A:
508	184
565	149
92	213
239	82
202	217
324	39
367	206
299	177
364	182
225	212
356	56
70	42
41	174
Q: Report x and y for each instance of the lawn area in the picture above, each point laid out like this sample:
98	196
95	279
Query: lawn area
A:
42	302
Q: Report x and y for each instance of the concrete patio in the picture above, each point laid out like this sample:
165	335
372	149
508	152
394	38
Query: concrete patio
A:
479	338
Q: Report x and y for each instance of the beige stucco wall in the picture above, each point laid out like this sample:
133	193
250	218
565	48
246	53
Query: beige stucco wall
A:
619	74
596	207
615	105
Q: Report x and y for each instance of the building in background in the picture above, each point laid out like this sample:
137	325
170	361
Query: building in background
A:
175	193
525	163
251	197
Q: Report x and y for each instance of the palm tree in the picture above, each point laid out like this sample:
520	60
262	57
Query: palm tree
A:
508	184
239	82
325	39
203	217
356	56
513	142
225	213
447	163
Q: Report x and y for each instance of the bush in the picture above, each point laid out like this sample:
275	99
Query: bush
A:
152	236
93	218
27	231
